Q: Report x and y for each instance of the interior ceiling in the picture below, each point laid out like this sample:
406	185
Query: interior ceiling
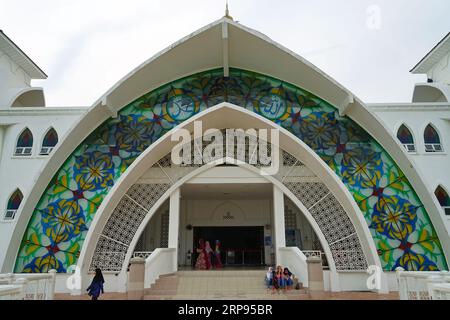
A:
227	191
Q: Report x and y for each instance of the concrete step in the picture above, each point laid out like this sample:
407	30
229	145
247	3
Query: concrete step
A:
161	292
224	296
217	284
222	273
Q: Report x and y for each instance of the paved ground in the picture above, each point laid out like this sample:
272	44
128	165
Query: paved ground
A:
275	296
230	284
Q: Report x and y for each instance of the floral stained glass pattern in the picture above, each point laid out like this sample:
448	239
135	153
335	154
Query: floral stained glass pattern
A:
399	224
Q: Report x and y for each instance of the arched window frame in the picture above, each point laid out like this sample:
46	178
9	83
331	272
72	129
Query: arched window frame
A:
46	150
446	208
409	147
10	213
23	151
433	147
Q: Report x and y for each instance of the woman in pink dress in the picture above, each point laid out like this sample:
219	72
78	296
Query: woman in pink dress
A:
218	259
201	262
209	253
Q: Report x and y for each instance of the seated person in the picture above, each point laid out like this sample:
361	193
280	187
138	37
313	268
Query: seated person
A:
275	282
288	278
269	277
280	278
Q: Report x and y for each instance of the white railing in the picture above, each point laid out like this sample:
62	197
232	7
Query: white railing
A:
446	210
414	285
433	147
142	254
11	292
312	253
33	286
295	260
161	261
439	291
23	151
45	151
410	147
10	214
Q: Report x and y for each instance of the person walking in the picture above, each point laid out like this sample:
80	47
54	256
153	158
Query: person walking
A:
209	253
96	286
217	256
201	263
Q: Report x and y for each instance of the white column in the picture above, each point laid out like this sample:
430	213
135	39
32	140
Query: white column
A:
278	218
174	223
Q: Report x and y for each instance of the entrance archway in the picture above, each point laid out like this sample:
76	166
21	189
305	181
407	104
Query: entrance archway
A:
376	183
327	192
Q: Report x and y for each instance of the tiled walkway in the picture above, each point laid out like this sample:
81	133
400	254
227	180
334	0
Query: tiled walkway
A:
310	296
229	285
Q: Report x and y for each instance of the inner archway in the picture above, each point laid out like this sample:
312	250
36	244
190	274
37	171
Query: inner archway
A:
170	178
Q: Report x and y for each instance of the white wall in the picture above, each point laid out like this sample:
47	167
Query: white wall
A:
21	172
440	72
12	79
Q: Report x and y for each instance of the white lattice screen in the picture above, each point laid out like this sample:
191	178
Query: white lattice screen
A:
333	221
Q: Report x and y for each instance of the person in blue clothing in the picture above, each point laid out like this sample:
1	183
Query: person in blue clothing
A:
96	286
269	278
288	281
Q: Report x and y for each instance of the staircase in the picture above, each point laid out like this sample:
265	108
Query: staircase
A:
217	284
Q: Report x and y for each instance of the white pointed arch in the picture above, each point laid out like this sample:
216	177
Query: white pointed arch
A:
21	148
47	148
226	115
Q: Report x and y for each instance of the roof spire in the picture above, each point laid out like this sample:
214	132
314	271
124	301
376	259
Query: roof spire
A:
227	12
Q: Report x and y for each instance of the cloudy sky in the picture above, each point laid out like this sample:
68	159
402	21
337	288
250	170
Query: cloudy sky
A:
86	46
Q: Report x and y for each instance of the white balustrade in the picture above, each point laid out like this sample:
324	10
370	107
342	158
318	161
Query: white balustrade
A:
439	291
33	286
416	285
312	253
160	262
142	254
295	260
11	292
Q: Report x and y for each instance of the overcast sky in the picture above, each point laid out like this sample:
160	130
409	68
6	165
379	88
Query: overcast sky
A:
86	46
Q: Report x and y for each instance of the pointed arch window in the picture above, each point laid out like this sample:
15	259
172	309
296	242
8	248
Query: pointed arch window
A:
406	138
432	140
24	144
49	142
13	205
444	199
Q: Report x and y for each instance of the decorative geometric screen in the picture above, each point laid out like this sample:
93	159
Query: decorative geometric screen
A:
121	227
398	221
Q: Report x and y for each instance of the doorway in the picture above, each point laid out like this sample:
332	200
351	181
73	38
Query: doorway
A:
239	246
